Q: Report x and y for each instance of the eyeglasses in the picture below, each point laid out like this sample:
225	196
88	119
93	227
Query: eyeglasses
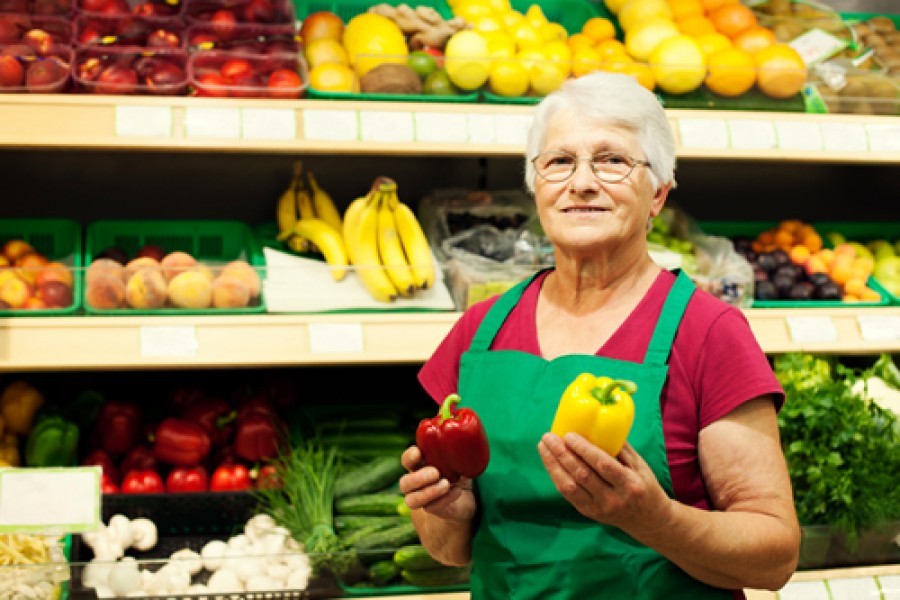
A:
608	167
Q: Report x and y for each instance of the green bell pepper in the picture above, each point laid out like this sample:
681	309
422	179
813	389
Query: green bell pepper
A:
53	442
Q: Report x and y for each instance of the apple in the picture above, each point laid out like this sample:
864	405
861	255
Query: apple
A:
116	79
284	83
321	24
12	73
212	85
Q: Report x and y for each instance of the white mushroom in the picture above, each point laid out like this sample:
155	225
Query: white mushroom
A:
144	534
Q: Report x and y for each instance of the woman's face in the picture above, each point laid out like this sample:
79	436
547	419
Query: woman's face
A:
583	215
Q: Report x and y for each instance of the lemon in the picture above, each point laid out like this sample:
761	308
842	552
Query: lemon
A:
466	59
488	24
614	6
499	6
546	77
530	57
509	78
511	19
525	36
500	45
559	54
550	32
372	39
678	64
635	12
642	39
535	16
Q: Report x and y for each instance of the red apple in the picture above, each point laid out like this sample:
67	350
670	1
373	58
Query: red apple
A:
321	24
116	79
284	83
40	40
223	23
12	73
212	85
55	294
163	38
260	11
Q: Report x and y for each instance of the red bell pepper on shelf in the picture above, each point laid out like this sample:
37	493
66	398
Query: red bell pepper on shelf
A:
258	436
107	486
142	482
215	415
187	479
139	458
454	441
119	426
230	478
101	458
181	442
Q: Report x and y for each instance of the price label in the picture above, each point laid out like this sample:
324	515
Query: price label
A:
751	134
386	126
335	338
50	500
845	137
440	127
331	125
511	129
703	133
480	128
812	329
144	121
879	328
224	123
884	138
269	124
798	135
815	46
168	341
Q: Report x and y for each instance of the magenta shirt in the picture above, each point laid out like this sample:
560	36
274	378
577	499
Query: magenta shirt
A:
716	365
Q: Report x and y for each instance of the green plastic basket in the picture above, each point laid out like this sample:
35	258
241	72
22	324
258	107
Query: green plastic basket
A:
312	92
734	229
58	240
347	9
571	14
212	242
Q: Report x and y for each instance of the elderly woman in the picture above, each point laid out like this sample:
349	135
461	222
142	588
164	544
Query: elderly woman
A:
698	504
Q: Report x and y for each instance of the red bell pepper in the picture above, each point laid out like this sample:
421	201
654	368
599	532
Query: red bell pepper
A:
454	441
107	486
181	442
258	436
142	482
119	426
215	416
139	458
101	458
187	479
230	478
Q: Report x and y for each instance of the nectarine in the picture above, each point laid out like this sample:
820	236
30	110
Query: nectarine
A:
54	294
246	273
105	266
190	289
176	262
105	291
230	292
146	289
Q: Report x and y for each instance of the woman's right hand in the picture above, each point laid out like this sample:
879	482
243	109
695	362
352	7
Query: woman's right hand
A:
424	488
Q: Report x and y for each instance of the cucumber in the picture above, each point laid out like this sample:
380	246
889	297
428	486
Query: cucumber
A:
383	572
436	577
353	536
379	423
371	476
378	503
381	545
415	557
345	524
368	439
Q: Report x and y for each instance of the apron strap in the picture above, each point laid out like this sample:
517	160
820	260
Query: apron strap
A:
497	314
661	343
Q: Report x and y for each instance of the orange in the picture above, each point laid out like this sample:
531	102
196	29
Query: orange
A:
799	254
781	72
710	5
711	43
333	77
812	240
599	29
754	39
731	73
732	19
585	60
610	47
325	50
580	40
642	72
695	25
870	295
685	8
855	286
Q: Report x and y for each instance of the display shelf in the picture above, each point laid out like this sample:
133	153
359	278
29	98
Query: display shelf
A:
161	342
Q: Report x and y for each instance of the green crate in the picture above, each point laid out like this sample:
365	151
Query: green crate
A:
571	14
347	9
312	92
733	229
58	240
212	242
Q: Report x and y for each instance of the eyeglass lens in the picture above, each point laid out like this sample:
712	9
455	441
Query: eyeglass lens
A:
556	166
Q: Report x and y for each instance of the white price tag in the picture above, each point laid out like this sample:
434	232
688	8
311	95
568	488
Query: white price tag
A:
511	129
168	341
222	123
884	138
845	137
812	329
798	135
703	133
269	124
331	125
815	46
751	134
440	127
144	121
386	126
50	500
480	128
331	338
879	328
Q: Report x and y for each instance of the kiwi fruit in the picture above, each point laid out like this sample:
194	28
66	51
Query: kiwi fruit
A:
390	78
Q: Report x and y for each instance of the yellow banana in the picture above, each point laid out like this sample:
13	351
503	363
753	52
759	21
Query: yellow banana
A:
350	225
415	244
323	204
365	253
328	240
390	249
286	210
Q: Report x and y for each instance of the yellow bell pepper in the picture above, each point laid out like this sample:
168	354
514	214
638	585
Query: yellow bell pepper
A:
600	409
18	405
9	450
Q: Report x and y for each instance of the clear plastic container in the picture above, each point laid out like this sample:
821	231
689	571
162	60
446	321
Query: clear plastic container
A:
225	14
92	29
23	71
225	74
130	71
38	31
255	38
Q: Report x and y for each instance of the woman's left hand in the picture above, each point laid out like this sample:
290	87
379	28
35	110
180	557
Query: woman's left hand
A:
621	491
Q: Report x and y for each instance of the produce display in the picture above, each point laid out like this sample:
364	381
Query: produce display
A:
30	280
598	408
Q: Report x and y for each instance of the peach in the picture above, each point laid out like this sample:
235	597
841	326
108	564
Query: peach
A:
16	292
106	266
191	289
34	303
54	294
7	273
146	289
230	292
204	269
175	263
105	291
28	265
246	273
54	271
139	264
14	248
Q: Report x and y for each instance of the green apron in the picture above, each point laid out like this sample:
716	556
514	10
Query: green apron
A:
530	542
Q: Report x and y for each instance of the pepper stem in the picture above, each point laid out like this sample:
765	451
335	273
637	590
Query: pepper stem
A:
603	393
447	407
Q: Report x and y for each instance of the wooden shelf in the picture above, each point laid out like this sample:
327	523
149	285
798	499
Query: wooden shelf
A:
163	342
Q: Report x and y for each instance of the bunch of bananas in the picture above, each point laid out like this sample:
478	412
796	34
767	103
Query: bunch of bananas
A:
309	221
387	247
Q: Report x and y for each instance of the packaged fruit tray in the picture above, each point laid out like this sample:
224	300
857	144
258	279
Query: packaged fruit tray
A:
201	249
129	70
59	242
742	233
221	74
